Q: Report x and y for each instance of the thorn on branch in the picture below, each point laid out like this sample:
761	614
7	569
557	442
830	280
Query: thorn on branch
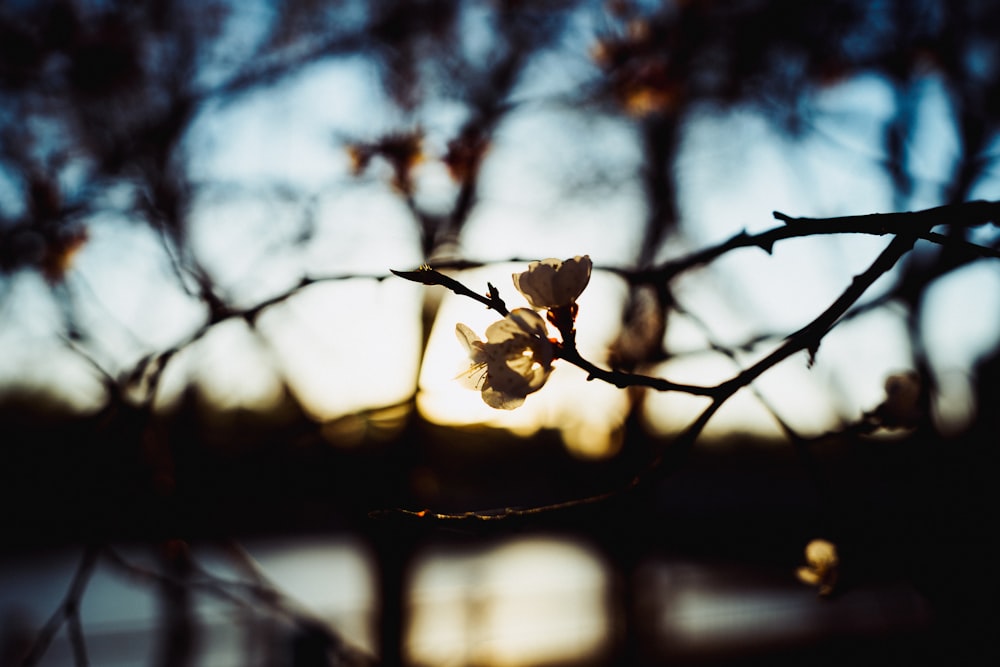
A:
812	351
250	317
494	295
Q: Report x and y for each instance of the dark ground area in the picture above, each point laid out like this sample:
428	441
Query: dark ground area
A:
913	511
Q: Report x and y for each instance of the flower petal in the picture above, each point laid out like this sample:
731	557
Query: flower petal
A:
501	401
821	554
575	275
807	576
467	337
553	283
536	283
529	321
520	323
515	360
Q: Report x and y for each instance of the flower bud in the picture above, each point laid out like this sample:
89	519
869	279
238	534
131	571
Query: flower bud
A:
552	283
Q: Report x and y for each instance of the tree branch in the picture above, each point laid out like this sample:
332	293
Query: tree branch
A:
806	338
906	227
969	214
428	276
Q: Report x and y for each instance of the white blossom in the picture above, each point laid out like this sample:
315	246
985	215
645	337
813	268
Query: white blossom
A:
552	283
514	361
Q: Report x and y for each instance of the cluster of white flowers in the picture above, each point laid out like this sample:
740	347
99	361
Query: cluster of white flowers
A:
516	357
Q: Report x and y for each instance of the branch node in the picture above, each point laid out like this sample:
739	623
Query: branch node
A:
767	246
812	351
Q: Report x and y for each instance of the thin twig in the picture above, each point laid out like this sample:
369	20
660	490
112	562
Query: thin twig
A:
502	514
428	276
211	585
248	595
621	379
68	611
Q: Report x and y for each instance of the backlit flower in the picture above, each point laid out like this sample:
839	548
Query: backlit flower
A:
552	283
514	361
821	568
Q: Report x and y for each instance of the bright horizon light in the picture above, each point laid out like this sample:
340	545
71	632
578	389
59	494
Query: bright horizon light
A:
526	601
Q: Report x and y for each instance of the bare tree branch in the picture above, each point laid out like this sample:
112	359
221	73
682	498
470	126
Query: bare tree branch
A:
907	229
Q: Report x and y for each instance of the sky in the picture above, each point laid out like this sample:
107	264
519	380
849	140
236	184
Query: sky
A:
557	182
